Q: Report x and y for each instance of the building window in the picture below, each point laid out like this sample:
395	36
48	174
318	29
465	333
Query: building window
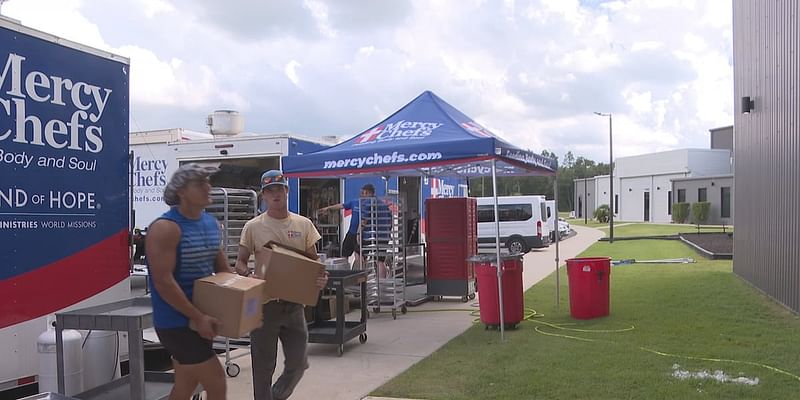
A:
725	208
669	202
616	204
681	195
702	194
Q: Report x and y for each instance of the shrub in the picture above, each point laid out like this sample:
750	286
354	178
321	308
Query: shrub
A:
680	212
601	213
700	212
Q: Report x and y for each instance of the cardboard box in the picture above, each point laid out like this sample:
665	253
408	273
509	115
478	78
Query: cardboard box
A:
327	305
233	299
309	313
289	274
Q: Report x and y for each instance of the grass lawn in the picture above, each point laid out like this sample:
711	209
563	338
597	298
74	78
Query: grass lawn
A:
591	222
685	317
622	228
661	229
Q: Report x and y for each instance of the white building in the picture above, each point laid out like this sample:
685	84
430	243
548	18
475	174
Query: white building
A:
643	183
590	193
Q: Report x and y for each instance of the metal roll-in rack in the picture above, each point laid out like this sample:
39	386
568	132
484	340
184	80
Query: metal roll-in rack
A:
382	234
328	229
232	208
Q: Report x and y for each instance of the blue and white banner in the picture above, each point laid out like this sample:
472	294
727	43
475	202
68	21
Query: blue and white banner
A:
63	173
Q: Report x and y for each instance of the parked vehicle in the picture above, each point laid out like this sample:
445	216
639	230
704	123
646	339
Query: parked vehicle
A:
242	158
63	187
563	226
523	222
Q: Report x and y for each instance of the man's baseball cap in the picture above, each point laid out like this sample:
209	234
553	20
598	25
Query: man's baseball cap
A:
185	174
273	177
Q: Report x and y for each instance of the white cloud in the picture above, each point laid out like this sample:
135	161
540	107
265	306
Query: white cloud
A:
648	45
640	102
175	83
531	70
60	18
291	71
152	8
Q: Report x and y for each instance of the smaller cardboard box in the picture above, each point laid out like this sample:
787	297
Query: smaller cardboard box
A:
327	305
289	274
233	299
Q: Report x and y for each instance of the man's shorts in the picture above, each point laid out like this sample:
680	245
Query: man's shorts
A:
349	245
185	345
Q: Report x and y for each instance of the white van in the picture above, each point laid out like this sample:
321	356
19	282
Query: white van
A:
523	222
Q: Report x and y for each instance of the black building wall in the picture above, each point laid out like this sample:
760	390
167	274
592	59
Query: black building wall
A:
766	47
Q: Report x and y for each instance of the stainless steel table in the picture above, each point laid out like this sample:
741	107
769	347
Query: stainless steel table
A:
131	316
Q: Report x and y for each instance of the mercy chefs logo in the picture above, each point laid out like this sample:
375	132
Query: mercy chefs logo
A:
441	189
400	130
475	128
21	90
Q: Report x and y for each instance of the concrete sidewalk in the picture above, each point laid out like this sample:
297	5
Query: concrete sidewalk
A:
395	345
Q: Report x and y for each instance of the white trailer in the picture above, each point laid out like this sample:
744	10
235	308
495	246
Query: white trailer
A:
242	158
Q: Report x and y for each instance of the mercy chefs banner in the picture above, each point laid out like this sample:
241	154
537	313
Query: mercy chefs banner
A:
63	173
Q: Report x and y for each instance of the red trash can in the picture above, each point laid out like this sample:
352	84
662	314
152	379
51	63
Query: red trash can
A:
513	302
589	286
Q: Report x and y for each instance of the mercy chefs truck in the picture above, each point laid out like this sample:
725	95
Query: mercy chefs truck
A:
63	187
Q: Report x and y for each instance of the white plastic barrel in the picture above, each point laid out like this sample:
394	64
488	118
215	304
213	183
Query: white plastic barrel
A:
100	358
73	362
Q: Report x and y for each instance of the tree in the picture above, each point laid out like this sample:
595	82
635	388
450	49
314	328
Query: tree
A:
700	212
601	213
680	211
569	160
570	168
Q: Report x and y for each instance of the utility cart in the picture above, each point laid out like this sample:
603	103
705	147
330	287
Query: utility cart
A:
131	316
340	330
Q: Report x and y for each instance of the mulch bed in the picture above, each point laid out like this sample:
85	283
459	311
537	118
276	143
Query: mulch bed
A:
719	243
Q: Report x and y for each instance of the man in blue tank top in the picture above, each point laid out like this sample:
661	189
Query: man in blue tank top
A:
183	245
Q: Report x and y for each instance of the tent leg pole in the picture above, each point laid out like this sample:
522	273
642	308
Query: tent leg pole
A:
497	252
557	237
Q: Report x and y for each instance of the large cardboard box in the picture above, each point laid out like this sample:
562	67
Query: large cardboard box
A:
233	299
289	274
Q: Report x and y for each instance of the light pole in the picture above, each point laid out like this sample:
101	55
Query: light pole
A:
585	204
610	177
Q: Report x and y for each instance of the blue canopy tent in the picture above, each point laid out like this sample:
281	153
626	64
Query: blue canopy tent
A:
426	137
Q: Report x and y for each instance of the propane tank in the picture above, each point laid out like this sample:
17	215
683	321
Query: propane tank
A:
73	361
100	358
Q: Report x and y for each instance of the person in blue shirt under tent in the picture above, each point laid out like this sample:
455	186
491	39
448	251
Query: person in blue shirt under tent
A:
378	234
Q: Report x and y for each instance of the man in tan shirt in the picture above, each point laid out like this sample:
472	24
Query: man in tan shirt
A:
283	320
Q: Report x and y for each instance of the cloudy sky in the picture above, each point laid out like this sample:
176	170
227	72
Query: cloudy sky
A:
531	71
